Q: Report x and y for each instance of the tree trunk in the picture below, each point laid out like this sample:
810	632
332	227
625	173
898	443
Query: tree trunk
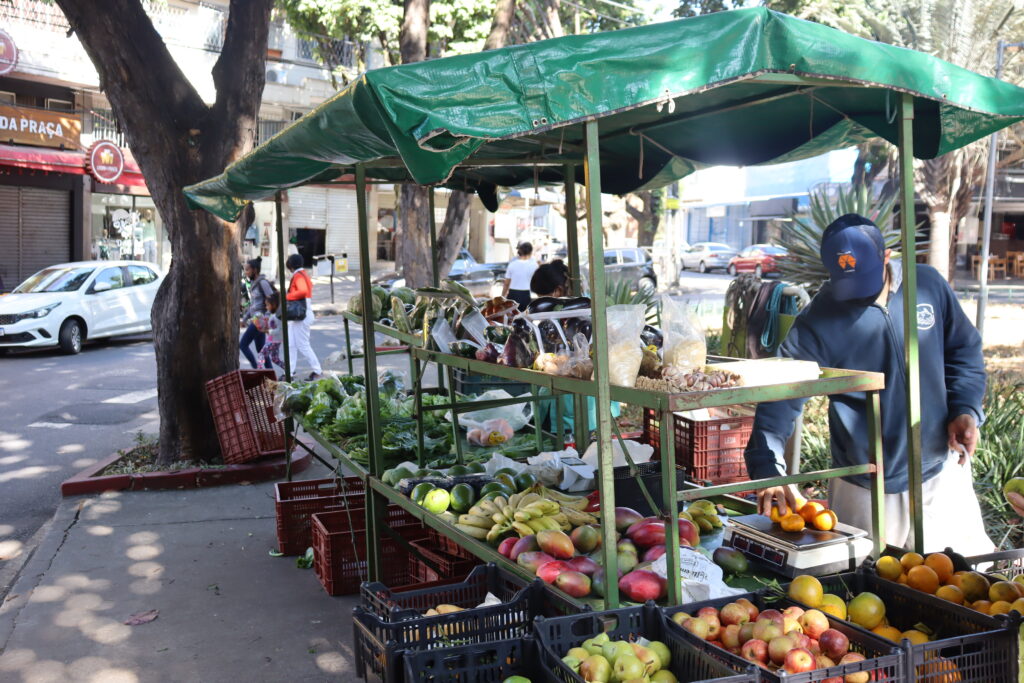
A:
414	212
178	140
938	251
501	26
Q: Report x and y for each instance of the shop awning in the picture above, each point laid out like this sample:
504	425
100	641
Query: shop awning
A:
669	98
62	161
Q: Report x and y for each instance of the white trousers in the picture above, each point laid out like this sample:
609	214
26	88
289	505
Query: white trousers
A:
298	342
952	516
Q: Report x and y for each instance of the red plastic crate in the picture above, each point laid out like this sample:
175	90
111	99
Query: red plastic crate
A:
243	414
709	450
448	567
339	554
297	501
447	545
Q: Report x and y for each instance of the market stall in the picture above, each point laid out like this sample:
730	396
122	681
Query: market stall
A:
624	111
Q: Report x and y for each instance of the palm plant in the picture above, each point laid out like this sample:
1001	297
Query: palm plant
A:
802	237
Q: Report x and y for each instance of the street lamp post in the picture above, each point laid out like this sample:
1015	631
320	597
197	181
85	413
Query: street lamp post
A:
990	182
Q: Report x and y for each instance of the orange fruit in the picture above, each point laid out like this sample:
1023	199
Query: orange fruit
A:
834	605
939	670
888	632
825	520
951	593
1018	605
1000	607
923	579
806	589
915	636
902	579
910	560
981	606
888	567
792	522
1003	591
810	510
775	515
941	565
867	610
974	585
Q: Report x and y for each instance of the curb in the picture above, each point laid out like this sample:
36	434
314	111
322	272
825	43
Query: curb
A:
86	481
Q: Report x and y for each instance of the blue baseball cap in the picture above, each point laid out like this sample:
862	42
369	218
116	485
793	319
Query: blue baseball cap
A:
853	252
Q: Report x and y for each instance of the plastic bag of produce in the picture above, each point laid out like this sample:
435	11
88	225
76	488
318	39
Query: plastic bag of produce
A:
638	452
684	346
517	416
625	322
579	364
702	578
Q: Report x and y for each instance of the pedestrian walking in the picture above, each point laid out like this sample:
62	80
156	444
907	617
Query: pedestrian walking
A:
269	324
299	314
518	274
260	290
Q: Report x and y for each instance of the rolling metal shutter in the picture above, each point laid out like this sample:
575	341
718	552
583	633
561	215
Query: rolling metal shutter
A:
35	231
307	208
342	219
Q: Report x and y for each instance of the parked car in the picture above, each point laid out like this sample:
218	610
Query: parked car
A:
759	259
705	256
630	264
65	304
477	277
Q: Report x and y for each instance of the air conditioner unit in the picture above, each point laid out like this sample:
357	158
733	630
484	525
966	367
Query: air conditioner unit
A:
276	76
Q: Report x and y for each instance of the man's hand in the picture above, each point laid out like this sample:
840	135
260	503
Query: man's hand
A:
963	436
783	496
1016	501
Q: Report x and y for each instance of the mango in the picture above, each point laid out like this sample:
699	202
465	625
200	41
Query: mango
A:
556	543
533	560
731	560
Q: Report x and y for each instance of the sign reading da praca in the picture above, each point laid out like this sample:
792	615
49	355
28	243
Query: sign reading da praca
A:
41	127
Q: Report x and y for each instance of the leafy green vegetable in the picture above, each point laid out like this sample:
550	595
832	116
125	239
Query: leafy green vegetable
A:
305	561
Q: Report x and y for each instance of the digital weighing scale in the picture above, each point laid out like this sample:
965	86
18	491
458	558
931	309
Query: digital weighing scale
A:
797	552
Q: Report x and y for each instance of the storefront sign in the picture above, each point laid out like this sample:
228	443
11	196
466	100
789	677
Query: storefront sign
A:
8	54
40	127
105	161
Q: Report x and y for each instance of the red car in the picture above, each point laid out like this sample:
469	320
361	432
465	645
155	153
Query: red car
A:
759	259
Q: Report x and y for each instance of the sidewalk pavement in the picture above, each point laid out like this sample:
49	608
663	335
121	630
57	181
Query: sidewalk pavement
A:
227	610
345	286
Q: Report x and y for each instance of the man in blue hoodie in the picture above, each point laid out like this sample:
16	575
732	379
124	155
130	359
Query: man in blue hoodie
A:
856	322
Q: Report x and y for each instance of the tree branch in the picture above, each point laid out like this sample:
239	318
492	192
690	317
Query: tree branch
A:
501	26
241	68
136	70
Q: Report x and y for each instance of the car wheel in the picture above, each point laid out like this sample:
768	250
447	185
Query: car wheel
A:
70	337
731	269
702	268
758	271
647	283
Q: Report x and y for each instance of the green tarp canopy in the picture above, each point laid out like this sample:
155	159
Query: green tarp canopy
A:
669	98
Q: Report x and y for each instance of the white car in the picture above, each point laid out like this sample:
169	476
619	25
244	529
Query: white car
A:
64	304
705	256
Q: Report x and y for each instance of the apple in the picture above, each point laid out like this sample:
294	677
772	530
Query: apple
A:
834	643
814	623
697	627
751	608
746	632
790	624
734	613
778	647
773	614
793	612
755	650
766	629
596	668
823	662
860	676
800	640
680	617
710	615
833	679
731	636
798	660
814	647
627	667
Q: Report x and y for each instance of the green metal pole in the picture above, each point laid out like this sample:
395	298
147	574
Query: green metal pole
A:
375	504
606	478
348	347
417	397
538	434
909	250
878	476
456	431
434	275
559	429
669	505
289	423
580	420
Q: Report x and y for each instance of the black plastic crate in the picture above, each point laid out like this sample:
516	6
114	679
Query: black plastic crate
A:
394	606
1009	563
380	644
627	488
689	663
491	662
982	648
883	658
468	383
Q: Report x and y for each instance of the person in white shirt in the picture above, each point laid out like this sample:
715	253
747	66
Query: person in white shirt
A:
518	274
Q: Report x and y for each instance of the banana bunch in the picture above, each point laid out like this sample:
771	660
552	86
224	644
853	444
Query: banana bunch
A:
525	513
704	514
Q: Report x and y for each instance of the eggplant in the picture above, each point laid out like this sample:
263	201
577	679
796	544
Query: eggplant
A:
464	349
576	304
488	354
543	304
517	353
549	336
522	326
651	336
497	333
